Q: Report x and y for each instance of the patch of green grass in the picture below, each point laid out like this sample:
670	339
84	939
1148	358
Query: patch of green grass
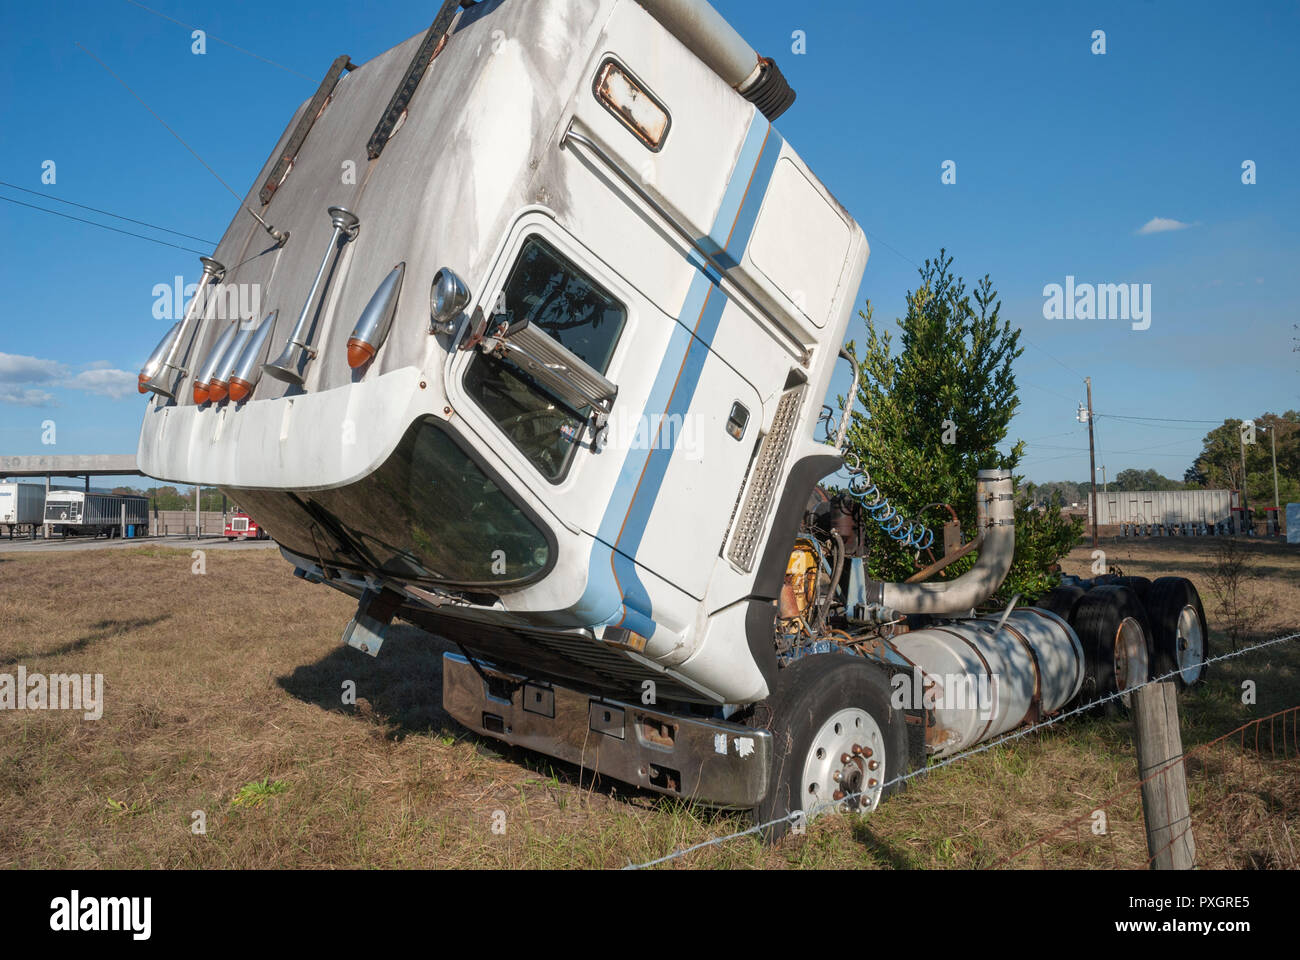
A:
125	809
258	792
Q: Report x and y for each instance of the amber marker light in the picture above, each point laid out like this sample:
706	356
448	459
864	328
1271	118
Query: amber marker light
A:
359	353
239	390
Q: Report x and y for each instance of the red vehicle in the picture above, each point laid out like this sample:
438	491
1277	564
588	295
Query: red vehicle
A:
240	526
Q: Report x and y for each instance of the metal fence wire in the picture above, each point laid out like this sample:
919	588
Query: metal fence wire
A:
1217	772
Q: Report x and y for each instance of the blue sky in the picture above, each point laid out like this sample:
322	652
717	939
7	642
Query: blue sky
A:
1061	155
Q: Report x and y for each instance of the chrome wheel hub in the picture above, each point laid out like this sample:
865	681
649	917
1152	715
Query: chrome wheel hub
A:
1191	645
1132	666
845	767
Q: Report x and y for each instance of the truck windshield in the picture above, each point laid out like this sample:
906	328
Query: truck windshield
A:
549	291
430	513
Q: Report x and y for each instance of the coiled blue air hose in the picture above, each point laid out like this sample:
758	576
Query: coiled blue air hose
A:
909	533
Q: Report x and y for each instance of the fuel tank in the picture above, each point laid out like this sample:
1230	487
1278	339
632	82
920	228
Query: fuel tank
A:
983	678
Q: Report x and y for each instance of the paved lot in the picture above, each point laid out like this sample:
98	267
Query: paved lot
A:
57	544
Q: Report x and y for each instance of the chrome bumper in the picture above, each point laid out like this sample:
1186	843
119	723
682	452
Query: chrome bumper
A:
711	761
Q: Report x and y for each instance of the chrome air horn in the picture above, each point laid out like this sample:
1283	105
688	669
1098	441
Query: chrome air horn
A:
292	361
167	379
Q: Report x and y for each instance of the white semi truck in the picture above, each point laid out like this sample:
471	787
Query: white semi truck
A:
551	309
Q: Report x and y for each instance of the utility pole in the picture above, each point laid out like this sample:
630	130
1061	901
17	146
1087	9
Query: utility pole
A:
1245	495
1272	438
1092	461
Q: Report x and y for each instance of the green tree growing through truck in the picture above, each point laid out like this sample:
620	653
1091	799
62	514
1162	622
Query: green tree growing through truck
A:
932	413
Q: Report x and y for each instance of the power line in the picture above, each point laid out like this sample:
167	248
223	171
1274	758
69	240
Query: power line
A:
279	236
103	226
1050	356
190	26
117	216
1120	416
163	122
1054	393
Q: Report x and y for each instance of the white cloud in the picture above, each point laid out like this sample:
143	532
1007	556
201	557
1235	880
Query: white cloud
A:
1161	225
22	376
25	397
105	382
15	368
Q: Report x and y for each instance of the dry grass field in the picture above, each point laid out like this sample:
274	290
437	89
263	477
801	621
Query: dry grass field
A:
223	694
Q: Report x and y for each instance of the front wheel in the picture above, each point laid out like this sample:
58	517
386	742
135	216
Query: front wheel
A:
836	741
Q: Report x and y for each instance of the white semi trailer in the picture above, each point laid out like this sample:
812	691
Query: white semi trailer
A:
80	513
22	507
543	377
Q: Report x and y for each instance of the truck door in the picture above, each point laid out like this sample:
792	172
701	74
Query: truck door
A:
650	488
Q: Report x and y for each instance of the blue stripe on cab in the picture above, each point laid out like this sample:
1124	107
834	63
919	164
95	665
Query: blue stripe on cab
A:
615	593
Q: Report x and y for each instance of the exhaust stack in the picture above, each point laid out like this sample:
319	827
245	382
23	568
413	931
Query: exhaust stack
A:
996	518
696	24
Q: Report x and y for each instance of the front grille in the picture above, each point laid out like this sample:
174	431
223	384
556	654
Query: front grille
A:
748	526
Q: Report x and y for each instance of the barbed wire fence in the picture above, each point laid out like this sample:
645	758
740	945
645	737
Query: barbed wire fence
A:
1208	766
1290	751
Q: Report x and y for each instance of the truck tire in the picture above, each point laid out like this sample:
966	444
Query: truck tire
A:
1178	631
1062	601
1113	629
825	705
1139	585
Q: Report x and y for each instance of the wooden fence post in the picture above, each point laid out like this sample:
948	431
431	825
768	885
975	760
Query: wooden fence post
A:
1164	788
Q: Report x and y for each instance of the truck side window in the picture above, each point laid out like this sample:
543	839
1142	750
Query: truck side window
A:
549	291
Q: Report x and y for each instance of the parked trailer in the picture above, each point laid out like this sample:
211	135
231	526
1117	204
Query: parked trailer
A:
74	512
1170	509
546	383
21	507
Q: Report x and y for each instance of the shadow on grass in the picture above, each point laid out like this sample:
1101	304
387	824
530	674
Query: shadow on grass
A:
103	630
401	690
889	854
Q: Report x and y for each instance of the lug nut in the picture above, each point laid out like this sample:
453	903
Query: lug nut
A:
872	782
845	758
838	795
873	764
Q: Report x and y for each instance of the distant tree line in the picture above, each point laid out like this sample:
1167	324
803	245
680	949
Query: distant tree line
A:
1219	464
1217	467
170	498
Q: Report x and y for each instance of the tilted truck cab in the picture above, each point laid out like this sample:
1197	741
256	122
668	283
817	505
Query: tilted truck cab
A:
548	312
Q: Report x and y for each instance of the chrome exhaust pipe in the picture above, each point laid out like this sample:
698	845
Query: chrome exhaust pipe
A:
290	365
996	518
165	382
711	38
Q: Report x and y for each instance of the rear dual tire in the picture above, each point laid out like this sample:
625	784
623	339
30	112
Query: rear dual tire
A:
1179	631
1115	634
1133	629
